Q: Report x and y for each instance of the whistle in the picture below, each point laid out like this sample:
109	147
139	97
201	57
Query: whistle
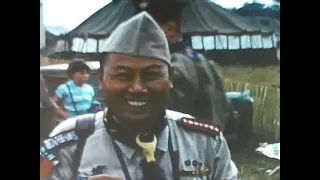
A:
148	148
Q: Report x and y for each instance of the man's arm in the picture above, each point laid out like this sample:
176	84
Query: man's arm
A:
225	168
63	153
63	170
92	91
60	92
72	130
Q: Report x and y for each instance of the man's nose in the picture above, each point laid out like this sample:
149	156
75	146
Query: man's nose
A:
137	86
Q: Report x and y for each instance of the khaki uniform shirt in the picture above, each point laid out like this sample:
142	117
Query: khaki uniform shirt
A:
197	152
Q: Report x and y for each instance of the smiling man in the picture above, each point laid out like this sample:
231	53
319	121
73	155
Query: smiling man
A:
137	138
135	87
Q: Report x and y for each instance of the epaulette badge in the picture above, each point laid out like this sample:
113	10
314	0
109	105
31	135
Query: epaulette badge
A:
48	159
58	140
205	127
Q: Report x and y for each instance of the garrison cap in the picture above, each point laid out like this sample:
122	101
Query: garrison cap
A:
139	36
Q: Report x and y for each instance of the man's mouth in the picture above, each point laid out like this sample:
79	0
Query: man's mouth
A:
137	103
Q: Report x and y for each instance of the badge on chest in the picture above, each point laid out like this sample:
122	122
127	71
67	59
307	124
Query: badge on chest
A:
194	168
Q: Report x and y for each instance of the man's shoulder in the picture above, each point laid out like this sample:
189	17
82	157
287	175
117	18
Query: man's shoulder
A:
179	57
175	115
71	123
62	87
184	122
67	134
88	87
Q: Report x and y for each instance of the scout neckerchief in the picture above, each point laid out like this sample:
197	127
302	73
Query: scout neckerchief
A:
151	170
125	134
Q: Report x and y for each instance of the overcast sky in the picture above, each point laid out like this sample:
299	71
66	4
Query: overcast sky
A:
70	13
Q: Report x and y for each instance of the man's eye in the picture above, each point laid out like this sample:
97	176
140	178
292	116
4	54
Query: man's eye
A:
152	75
123	76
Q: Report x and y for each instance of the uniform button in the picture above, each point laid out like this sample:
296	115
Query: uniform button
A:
187	162
194	163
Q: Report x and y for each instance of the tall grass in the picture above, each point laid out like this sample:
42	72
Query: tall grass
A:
266	114
256	75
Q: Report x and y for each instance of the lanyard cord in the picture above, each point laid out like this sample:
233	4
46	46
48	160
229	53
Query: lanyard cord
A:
173	156
120	157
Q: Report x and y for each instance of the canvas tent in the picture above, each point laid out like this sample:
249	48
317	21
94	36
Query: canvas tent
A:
52	34
208	26
51	43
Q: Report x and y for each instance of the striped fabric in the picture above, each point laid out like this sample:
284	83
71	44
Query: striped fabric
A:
82	96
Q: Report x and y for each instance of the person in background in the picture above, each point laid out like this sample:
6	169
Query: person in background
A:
191	54
170	21
76	96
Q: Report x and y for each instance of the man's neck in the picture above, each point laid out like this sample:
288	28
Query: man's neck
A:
139	128
77	84
127	133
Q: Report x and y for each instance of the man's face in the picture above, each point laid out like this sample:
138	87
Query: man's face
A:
171	31
136	88
80	77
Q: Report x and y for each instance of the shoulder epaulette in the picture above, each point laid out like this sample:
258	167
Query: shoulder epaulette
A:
69	131
58	140
205	127
48	147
